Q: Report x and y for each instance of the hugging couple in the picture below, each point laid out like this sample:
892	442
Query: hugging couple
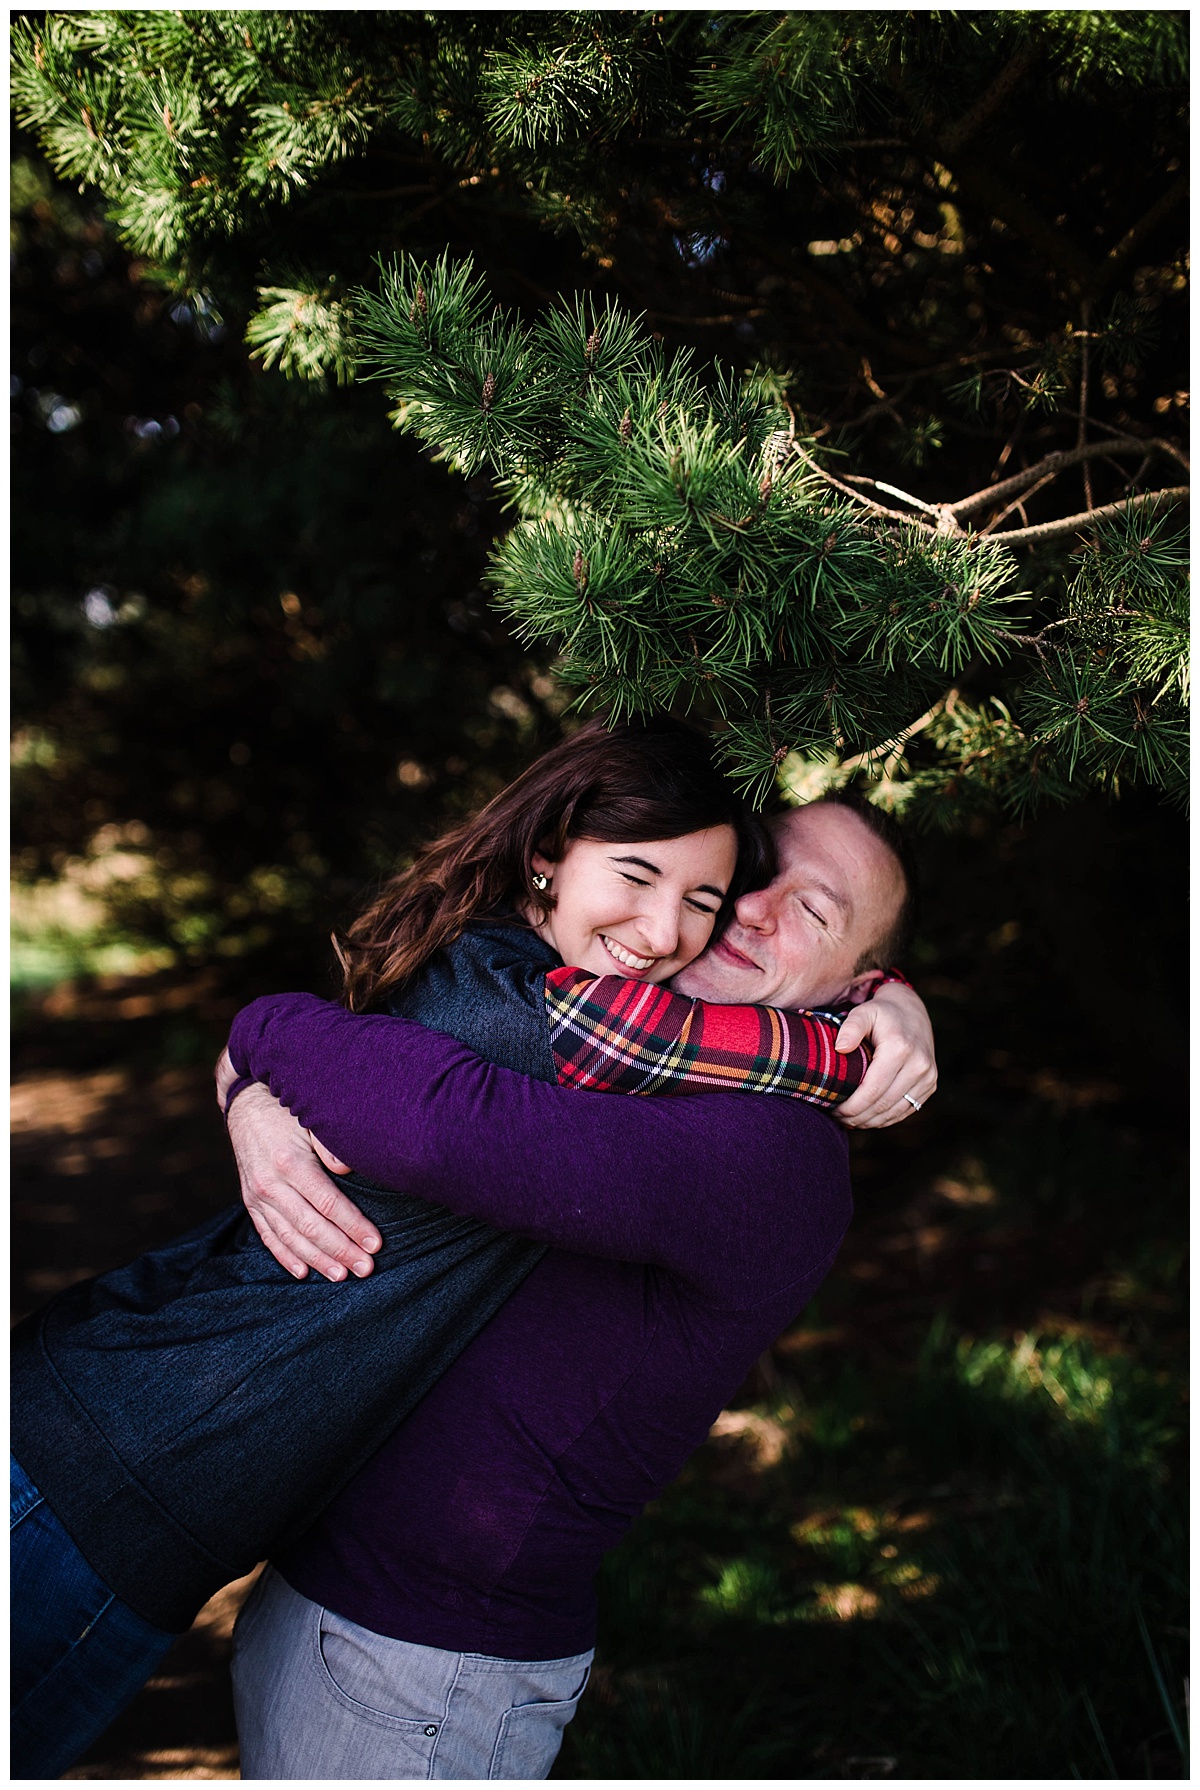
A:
528	1306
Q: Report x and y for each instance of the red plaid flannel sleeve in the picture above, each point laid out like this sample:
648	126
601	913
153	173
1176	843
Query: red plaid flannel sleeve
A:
620	1036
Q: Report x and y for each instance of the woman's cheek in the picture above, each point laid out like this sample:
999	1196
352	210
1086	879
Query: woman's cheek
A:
693	940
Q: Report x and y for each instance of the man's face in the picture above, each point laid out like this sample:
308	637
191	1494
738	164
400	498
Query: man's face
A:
797	942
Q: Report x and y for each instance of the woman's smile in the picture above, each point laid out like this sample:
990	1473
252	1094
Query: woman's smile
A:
629	960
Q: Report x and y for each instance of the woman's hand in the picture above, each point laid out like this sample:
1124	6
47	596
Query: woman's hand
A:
300	1215
903	1071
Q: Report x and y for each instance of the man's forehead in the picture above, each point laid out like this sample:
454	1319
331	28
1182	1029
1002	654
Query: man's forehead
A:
829	844
811	832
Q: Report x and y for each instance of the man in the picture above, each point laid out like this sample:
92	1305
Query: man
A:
437	1620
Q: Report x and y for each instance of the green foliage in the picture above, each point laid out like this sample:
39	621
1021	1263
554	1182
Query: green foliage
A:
678	547
1114	701
790	77
304	331
556	88
660	1730
913	230
191	121
984	1583
1117	46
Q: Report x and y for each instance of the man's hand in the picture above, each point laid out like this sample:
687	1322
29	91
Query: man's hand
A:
224	1075
895	1022
297	1211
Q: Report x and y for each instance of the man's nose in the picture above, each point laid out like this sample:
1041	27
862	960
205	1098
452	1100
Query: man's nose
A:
756	911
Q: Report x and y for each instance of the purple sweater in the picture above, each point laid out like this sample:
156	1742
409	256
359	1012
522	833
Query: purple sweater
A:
686	1234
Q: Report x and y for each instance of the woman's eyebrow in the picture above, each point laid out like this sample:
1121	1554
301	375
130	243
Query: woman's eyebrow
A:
645	864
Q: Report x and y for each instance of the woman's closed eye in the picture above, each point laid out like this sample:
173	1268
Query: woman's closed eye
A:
642	882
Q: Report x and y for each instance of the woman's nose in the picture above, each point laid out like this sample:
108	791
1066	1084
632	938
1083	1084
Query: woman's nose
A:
659	927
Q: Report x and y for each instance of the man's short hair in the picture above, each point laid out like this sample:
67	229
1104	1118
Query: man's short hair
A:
891	945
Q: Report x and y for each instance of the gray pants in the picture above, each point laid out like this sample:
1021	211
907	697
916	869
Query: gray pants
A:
320	1697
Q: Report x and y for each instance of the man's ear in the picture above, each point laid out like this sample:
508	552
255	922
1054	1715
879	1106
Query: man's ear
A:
859	989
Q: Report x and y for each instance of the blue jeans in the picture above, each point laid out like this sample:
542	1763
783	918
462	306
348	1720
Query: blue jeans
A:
78	1653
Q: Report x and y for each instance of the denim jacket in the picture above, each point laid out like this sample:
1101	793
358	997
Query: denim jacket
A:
188	1414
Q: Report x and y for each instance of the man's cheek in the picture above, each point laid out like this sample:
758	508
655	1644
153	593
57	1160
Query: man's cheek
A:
708	981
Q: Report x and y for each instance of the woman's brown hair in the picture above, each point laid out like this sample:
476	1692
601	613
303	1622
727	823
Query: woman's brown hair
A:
639	780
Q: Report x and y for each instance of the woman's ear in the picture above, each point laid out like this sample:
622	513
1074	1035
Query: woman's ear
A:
542	865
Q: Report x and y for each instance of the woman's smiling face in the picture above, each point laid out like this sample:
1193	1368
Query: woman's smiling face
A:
641	910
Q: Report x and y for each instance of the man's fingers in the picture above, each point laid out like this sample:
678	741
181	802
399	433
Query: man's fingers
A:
320	1240
308	1216
224	1076
355	1231
285	1256
294	1235
302	1217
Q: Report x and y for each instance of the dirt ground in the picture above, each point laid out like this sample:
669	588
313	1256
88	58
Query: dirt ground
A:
107	1162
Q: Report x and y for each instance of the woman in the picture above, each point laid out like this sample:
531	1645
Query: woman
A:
159	1452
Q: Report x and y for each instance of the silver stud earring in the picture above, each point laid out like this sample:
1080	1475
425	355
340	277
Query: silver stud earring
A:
541	883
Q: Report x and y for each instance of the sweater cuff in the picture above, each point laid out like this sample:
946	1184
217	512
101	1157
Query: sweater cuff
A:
895	975
243	1081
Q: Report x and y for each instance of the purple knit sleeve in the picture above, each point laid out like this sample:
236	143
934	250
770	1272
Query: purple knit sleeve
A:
235	1088
704	1187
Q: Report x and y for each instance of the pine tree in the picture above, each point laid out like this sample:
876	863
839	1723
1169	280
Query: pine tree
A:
690	534
680	545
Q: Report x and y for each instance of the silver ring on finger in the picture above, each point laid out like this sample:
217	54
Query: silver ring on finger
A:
915	1104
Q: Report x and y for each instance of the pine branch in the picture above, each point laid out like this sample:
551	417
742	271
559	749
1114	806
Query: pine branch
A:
1018	503
1046	531
1121	252
1084	375
1049	467
956	136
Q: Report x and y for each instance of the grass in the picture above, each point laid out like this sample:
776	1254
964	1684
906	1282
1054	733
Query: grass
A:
60	931
944	1547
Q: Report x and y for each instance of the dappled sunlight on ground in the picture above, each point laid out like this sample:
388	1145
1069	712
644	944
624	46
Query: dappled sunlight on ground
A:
107	1162
181	1726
